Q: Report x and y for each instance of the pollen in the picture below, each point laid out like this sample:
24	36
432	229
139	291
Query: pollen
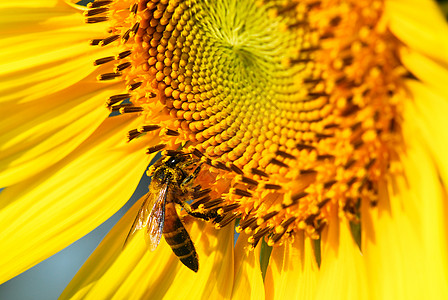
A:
291	105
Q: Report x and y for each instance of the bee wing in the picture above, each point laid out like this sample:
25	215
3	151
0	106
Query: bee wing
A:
141	218
151	216
156	219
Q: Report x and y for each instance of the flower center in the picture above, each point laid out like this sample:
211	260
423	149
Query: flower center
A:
291	103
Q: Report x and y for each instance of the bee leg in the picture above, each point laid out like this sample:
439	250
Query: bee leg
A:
209	215
189	179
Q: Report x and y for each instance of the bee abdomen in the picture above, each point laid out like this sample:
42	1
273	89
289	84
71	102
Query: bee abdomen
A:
177	237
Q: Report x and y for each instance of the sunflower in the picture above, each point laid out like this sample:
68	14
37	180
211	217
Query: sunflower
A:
319	127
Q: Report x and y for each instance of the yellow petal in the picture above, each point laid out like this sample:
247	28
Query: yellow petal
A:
19	15
429	221
292	272
405	236
426	116
406	245
342	272
430	72
30	3
51	100
248	280
48	54
47	212
136	273
425	32
38	136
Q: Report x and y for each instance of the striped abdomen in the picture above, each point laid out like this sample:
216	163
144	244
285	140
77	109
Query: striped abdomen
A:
177	237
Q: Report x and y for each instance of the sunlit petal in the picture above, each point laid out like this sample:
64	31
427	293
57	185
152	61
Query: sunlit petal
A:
248	280
421	31
342	272
426	119
37	70
292	272
50	53
49	211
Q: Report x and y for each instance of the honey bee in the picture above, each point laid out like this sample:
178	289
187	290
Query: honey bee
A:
171	184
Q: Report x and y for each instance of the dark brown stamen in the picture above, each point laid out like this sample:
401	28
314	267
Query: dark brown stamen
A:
324	136
288	222
350	110
134	86
135	28
117	98
228	208
278	163
323	202
124	54
310	219
212	203
227	219
95	11
331	125
285	154
103	60
267	217
294	199
317	95
270	186
126	35
246	223
148	128
236	169
171	132
93	20
242	193
220	165
134	8
109	76
195	205
131	109
350	163
259	172
352	181
275	238
329	184
109	40
155	148
95	42
249	181
116	108
304	146
261	233
307	171
132	134
325	157
173	152
201	193
370	163
122	66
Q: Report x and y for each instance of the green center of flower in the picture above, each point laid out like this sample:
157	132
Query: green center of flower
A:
290	103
